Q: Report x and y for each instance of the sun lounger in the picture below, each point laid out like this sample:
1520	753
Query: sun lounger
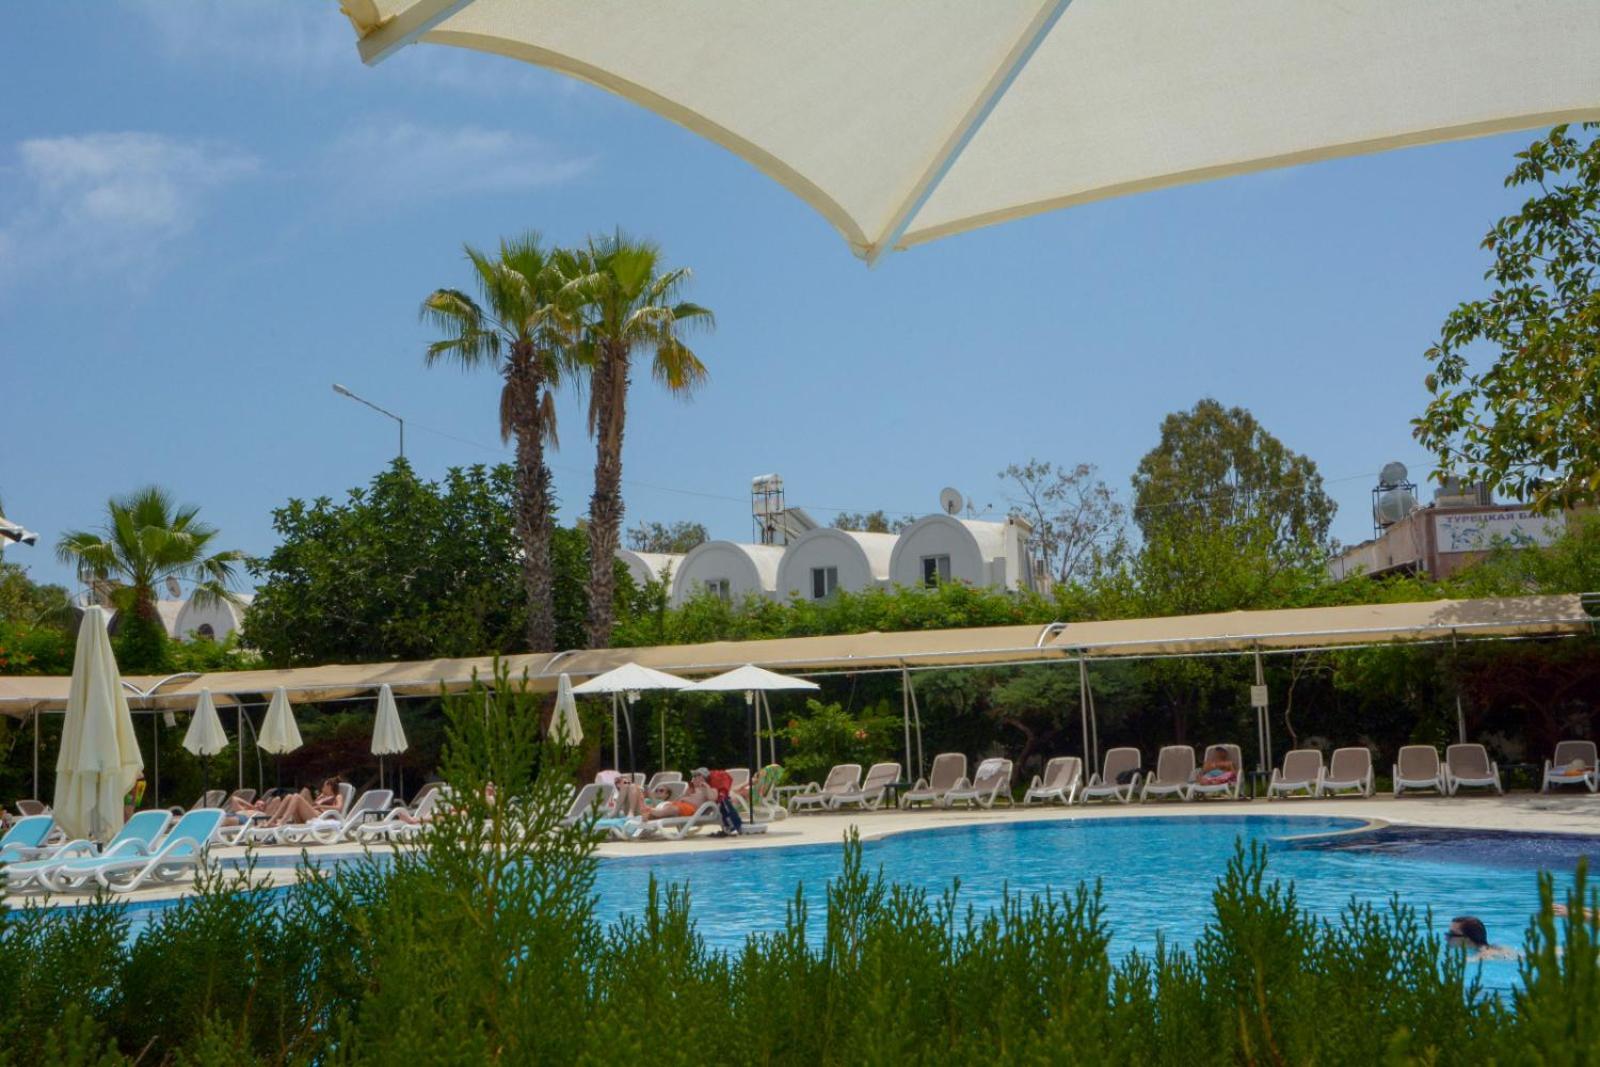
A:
1301	772
25	840
178	855
1469	766
844	778
1228	787
1573	763
1106	785
991	783
590	802
395	827
1174	774
32	807
256	833
137	835
1061	780
949	770
679	826
1349	769
661	778
1418	767
880	776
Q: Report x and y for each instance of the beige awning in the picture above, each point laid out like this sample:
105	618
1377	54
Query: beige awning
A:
1237	631
1357	624
901	121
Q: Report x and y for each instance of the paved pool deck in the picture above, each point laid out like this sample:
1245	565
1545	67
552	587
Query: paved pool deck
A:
1567	813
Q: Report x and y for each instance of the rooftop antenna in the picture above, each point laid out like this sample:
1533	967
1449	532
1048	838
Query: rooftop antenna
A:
766	505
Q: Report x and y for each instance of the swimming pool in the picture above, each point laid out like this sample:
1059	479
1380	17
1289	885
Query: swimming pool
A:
1157	872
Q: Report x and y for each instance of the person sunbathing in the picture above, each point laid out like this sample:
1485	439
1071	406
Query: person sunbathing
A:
1218	768
698	793
302	807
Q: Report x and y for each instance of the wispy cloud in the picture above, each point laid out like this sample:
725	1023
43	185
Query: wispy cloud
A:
105	200
398	160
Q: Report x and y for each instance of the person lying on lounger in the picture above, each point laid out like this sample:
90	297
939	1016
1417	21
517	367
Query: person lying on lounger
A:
698	793
1218	768
302	807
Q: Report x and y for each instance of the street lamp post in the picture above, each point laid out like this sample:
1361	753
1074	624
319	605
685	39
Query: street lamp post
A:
342	391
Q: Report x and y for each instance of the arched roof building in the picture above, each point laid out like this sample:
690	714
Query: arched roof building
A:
825	559
729	569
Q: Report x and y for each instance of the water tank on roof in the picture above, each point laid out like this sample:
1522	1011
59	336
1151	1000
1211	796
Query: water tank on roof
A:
1392	505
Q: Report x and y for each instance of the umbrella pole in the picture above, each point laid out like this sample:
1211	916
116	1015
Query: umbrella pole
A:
616	737
36	754
755	754
238	728
155	757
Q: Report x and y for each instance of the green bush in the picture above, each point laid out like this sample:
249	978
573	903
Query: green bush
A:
484	945
828	735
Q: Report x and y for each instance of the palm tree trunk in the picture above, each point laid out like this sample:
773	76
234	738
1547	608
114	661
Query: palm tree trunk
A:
605	506
533	520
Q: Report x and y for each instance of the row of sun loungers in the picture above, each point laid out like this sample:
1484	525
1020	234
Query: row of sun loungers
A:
145	851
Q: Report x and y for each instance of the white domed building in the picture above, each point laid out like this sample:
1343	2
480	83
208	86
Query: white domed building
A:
727	569
824	560
651	566
941	548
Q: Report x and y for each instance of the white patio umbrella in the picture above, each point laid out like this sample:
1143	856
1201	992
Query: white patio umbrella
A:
279	732
624	684
755	682
388	736
205	737
564	724
99	759
901	121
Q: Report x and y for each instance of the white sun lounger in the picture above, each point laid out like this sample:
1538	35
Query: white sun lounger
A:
948	771
1104	785
138	834
179	855
842	780
1301	772
880	776
991	783
1062	778
1418	767
677	826
1555	769
1228	789
394	828
1349	769
662	778
1174	774
333	827
590	802
1469	766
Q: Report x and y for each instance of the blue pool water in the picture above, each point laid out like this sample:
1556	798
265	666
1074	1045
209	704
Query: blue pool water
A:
1157	872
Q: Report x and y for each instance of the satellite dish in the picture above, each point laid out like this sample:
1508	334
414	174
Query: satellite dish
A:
950	500
1392	474
174	590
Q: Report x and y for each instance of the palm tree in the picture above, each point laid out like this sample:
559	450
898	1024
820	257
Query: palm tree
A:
521	331
629	304
148	540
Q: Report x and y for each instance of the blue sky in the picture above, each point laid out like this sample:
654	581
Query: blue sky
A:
210	212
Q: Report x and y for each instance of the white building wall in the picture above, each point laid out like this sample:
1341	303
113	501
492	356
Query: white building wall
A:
650	566
981	553
222	618
861	559
745	568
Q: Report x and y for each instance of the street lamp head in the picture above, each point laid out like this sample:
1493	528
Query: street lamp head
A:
342	391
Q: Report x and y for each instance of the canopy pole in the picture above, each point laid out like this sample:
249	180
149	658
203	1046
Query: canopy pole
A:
238	728
1263	721
916	721
616	737
1083	715
36	714
905	711
1461	716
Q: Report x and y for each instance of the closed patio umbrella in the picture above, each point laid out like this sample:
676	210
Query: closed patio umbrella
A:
205	737
388	736
625	683
279	733
564	724
99	759
901	121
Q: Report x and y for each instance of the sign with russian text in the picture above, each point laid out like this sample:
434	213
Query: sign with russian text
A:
1479	531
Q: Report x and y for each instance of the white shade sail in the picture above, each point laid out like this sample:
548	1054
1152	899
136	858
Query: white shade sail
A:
99	759
629	678
564	724
750	679
279	732
205	736
388	736
906	120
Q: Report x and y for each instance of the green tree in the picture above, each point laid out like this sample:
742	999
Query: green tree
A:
679	537
1217	468
1079	525
521	331
871	521
22	600
1529	422
630	305
147	540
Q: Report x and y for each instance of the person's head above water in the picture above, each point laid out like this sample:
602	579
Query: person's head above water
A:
1467	930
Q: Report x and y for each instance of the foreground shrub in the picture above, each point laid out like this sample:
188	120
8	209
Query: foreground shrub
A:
485	947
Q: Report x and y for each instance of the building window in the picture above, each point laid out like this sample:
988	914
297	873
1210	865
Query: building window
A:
205	631
720	588
824	580
935	570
